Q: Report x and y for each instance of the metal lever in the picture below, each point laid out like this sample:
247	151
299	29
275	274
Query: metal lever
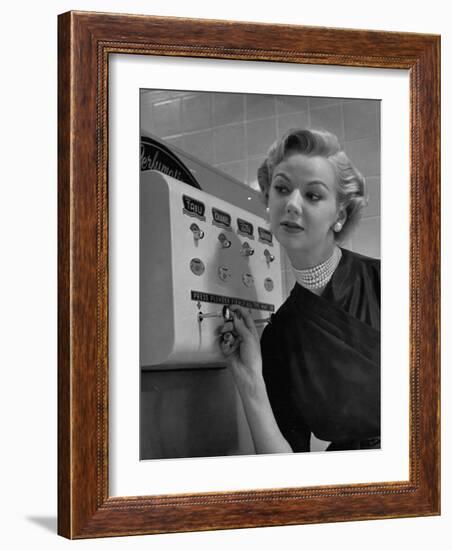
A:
225	242
230	337
197	232
202	316
268	256
263	321
225	313
246	250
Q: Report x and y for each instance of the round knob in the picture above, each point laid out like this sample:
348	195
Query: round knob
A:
197	266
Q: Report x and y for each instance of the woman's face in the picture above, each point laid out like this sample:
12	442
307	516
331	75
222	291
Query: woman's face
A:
303	208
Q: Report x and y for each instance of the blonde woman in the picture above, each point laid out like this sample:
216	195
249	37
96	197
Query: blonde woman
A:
317	367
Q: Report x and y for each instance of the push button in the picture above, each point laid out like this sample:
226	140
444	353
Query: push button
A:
224	273
268	284
248	279
197	266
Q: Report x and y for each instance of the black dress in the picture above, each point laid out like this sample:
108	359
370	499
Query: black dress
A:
321	359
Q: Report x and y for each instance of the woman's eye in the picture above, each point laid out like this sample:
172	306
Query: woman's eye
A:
313	197
281	189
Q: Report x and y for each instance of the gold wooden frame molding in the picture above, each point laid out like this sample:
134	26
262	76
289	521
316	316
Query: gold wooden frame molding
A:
85	41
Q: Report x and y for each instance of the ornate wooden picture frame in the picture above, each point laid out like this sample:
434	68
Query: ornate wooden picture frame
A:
86	40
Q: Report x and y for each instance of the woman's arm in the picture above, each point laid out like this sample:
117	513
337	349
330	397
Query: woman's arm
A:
242	350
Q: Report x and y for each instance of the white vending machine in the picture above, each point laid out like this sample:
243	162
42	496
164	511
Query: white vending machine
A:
198	255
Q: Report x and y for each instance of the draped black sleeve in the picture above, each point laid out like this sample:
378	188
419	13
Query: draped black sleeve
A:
277	380
321	359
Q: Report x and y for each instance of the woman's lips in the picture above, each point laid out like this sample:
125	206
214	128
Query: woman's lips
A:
291	227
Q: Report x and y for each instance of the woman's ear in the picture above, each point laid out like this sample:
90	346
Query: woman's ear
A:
340	220
342	216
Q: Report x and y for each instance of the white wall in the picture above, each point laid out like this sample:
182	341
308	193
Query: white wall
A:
28	271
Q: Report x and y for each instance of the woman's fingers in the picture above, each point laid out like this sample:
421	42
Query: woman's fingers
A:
228	337
243	315
238	331
228	326
229	342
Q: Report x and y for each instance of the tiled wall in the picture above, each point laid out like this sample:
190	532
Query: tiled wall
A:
233	132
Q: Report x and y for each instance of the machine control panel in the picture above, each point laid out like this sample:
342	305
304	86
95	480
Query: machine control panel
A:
198	254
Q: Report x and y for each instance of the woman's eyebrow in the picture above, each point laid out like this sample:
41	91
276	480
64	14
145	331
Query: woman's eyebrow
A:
280	175
319	182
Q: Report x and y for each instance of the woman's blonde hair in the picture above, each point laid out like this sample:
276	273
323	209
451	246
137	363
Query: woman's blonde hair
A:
351	194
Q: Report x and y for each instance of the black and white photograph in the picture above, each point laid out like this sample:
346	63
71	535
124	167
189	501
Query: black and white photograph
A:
194	350
259	274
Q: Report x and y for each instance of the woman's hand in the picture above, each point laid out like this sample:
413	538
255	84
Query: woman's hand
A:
239	343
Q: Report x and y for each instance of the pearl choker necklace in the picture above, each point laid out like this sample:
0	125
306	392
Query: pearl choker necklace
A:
318	276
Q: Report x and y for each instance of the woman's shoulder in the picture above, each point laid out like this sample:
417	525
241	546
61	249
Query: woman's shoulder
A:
364	272
280	317
360	261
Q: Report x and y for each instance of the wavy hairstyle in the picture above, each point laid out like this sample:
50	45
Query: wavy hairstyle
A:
351	186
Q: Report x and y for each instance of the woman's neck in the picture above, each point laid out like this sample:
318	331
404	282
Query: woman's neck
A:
317	277
306	260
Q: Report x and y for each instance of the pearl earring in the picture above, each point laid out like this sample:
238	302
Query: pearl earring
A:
337	227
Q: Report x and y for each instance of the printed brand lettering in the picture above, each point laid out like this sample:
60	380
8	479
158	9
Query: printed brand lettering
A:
149	162
157	156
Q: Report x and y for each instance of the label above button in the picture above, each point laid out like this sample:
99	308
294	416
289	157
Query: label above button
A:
194	208
265	236
245	228
221	219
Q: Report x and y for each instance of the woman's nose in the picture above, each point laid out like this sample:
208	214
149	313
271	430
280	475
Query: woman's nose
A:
294	202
